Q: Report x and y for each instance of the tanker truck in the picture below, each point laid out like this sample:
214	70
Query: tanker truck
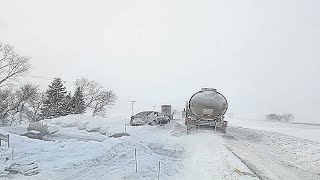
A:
206	108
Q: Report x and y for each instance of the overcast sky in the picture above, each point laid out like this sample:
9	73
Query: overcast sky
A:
264	56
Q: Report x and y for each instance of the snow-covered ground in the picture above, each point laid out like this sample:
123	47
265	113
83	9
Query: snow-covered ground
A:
301	130
281	150
249	150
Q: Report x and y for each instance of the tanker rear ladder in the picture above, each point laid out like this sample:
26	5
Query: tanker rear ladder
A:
217	124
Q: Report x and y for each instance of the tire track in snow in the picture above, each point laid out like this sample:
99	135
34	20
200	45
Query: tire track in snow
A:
261	151
251	166
208	158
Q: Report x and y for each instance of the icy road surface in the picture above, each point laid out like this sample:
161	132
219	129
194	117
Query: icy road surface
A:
208	158
241	153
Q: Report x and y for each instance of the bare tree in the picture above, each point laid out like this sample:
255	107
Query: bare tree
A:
6	97
90	90
13	104
287	117
12	64
34	104
10	106
273	117
102	101
95	96
23	95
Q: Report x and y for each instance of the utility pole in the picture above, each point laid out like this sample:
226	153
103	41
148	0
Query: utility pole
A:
132	107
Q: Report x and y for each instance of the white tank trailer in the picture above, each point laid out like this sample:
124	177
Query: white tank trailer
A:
166	111
206	108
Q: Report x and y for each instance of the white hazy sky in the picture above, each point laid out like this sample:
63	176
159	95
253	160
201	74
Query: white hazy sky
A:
264	56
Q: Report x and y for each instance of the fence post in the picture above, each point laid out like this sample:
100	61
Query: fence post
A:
135	157
8	141
159	171
125	126
215	125
12	153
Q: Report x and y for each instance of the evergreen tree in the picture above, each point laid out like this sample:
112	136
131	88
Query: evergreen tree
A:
67	105
53	106
78	104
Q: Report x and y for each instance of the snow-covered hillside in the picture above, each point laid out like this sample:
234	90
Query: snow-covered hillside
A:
247	152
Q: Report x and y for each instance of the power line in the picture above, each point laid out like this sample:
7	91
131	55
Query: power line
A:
43	78
40	77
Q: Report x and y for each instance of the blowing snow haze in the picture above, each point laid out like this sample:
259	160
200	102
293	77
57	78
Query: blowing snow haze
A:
262	55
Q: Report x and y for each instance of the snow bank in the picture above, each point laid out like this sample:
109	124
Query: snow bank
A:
290	150
70	120
179	129
112	158
82	122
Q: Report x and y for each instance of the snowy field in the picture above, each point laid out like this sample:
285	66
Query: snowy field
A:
249	150
300	130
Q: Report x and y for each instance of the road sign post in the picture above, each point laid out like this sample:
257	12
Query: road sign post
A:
5	138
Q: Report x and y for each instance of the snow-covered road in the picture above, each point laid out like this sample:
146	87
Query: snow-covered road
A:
208	158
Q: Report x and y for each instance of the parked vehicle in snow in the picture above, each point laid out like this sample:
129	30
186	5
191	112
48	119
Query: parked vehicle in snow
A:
148	117
161	119
39	130
206	108
143	117
35	134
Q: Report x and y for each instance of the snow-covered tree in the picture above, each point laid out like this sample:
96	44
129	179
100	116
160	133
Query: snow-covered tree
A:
67	105
78	104
53	106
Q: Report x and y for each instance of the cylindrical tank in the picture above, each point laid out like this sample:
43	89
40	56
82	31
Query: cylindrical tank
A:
208	104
